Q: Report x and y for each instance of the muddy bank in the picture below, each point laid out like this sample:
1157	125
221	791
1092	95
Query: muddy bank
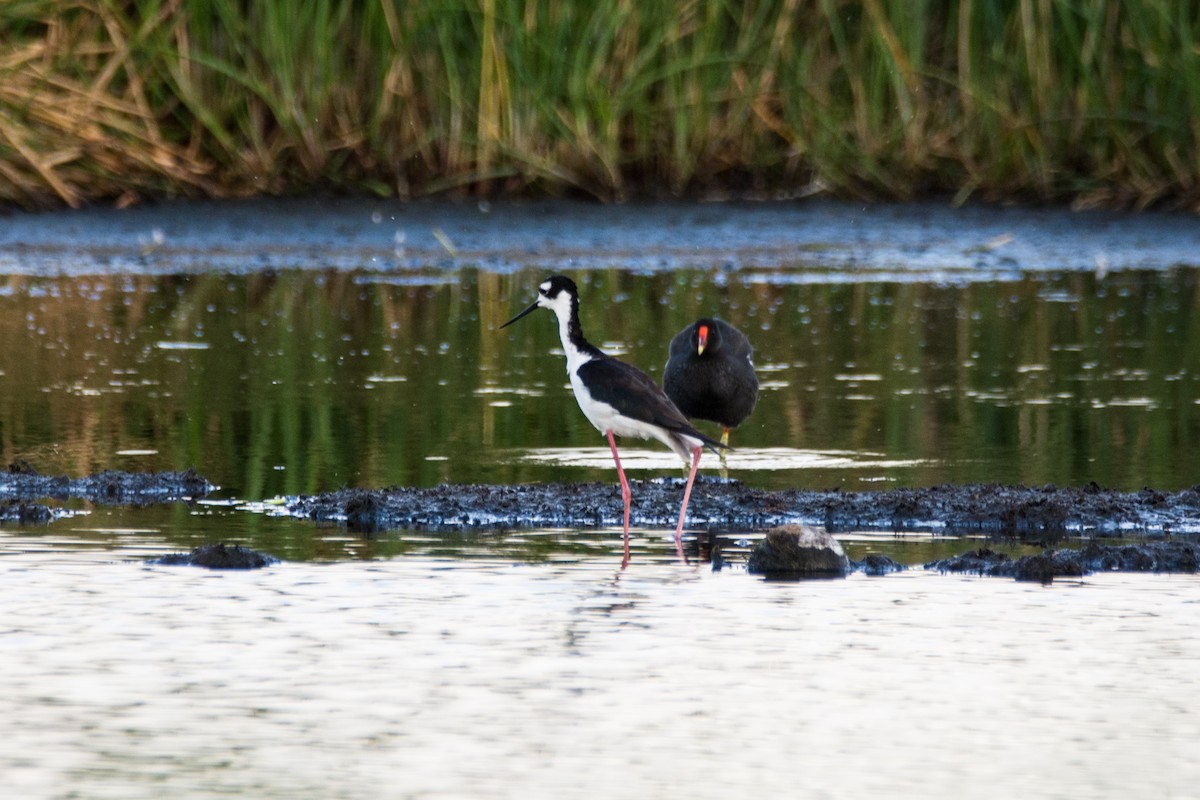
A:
1031	514
1174	556
23	483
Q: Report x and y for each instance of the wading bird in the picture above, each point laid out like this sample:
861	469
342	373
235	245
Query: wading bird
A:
619	399
710	374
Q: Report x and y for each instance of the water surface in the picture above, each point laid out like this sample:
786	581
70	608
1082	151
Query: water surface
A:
289	348
441	677
308	380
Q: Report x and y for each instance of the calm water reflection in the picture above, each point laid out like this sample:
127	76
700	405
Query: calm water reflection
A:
300	381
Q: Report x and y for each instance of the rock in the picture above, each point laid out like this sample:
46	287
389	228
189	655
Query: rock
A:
797	551
219	556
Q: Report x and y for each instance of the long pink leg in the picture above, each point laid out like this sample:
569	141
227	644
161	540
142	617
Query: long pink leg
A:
624	493
687	494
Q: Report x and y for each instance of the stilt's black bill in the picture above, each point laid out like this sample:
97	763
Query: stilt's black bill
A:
533	307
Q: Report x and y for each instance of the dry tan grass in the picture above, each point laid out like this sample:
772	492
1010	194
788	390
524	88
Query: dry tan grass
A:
1044	100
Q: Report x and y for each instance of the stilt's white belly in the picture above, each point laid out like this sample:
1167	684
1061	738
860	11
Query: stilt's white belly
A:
605	418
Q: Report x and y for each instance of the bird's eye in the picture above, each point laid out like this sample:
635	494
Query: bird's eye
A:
543	292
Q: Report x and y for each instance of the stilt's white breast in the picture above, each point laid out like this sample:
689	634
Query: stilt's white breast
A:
602	415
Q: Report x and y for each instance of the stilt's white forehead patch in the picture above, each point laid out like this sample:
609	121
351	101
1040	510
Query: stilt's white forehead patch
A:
545	287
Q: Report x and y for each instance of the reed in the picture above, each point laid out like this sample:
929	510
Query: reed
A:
1085	101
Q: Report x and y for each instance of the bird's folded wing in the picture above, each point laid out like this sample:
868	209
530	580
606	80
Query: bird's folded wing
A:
635	395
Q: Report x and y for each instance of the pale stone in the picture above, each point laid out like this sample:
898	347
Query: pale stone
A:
797	550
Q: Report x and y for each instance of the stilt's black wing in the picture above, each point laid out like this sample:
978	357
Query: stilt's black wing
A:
632	393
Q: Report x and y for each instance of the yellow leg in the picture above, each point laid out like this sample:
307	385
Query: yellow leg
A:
724	470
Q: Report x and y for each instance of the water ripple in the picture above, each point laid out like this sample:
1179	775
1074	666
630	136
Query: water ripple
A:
441	678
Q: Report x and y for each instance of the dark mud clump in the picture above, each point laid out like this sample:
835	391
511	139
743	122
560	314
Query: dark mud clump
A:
363	511
1041	514
25	513
1173	556
218	556
23	482
877	564
1041	568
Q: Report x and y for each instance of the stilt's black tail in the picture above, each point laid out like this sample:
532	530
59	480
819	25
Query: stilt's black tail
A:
709	442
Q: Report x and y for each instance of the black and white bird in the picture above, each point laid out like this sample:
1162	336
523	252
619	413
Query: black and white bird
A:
617	398
710	374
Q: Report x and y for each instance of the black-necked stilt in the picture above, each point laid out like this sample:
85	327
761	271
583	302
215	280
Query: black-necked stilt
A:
710	374
619	399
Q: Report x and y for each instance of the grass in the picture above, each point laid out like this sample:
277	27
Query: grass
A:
1087	101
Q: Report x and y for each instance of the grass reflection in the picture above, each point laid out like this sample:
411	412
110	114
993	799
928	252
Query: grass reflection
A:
309	381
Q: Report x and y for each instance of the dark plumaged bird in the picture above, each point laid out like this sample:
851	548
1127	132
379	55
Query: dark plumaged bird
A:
619	399
710	374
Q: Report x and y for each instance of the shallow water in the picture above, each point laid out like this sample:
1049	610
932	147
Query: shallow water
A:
291	348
